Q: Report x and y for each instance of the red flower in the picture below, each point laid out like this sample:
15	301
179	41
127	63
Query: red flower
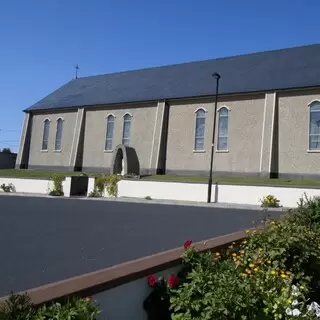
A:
152	280
173	281
187	244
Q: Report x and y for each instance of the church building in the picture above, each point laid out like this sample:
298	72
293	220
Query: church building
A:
160	120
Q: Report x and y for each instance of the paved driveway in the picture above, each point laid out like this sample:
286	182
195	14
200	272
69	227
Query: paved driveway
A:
44	240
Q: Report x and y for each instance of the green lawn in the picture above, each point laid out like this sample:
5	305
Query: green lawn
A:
234	180
40	174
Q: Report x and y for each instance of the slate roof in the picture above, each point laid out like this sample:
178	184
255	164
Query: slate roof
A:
279	69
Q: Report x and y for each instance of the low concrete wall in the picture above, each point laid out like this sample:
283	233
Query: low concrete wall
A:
237	194
288	197
133	294
7	160
35	186
165	190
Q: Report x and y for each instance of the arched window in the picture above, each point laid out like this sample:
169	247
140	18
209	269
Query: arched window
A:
57	145
223	129
314	126
200	130
126	129
109	133
46	132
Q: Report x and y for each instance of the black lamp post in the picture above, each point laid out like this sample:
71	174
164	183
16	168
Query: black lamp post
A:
217	77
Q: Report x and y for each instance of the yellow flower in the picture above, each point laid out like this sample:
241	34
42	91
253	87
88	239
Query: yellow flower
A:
247	231
260	249
243	275
245	242
289	301
269	262
283	276
88	299
273	222
288	273
242	251
217	254
273	272
230	247
256	269
301	287
251	265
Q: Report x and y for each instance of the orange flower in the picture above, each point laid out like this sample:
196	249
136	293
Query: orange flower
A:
243	275
234	254
217	254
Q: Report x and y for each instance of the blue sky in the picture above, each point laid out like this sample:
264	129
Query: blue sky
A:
42	40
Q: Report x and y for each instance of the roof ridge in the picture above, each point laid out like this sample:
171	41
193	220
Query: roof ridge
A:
199	61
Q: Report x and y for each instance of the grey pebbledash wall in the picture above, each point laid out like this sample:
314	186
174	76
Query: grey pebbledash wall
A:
7	160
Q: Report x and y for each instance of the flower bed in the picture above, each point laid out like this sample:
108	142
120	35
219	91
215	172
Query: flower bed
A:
273	274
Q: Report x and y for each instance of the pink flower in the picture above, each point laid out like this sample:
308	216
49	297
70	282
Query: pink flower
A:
173	281
187	244
152	280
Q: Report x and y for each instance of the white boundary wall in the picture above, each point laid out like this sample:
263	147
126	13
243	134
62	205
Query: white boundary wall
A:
165	190
237	194
35	186
288	197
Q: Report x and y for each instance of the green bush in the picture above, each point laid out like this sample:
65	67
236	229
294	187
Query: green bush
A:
19	307
95	194
57	186
110	183
8	188
274	273
270	201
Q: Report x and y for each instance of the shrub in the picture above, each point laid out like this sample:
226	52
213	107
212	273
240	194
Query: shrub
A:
270	201
76	308
8	188
110	183
19	307
94	194
148	198
57	186
307	212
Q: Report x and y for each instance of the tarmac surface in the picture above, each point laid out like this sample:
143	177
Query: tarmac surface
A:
44	239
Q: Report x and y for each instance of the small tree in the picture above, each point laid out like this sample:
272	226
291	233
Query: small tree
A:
6	150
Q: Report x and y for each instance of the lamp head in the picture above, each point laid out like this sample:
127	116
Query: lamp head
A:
216	75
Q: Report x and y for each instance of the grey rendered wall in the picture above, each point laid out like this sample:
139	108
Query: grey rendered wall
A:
294	158
7	160
52	159
95	158
245	137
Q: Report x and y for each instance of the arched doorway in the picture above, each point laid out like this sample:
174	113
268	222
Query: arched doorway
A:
125	161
